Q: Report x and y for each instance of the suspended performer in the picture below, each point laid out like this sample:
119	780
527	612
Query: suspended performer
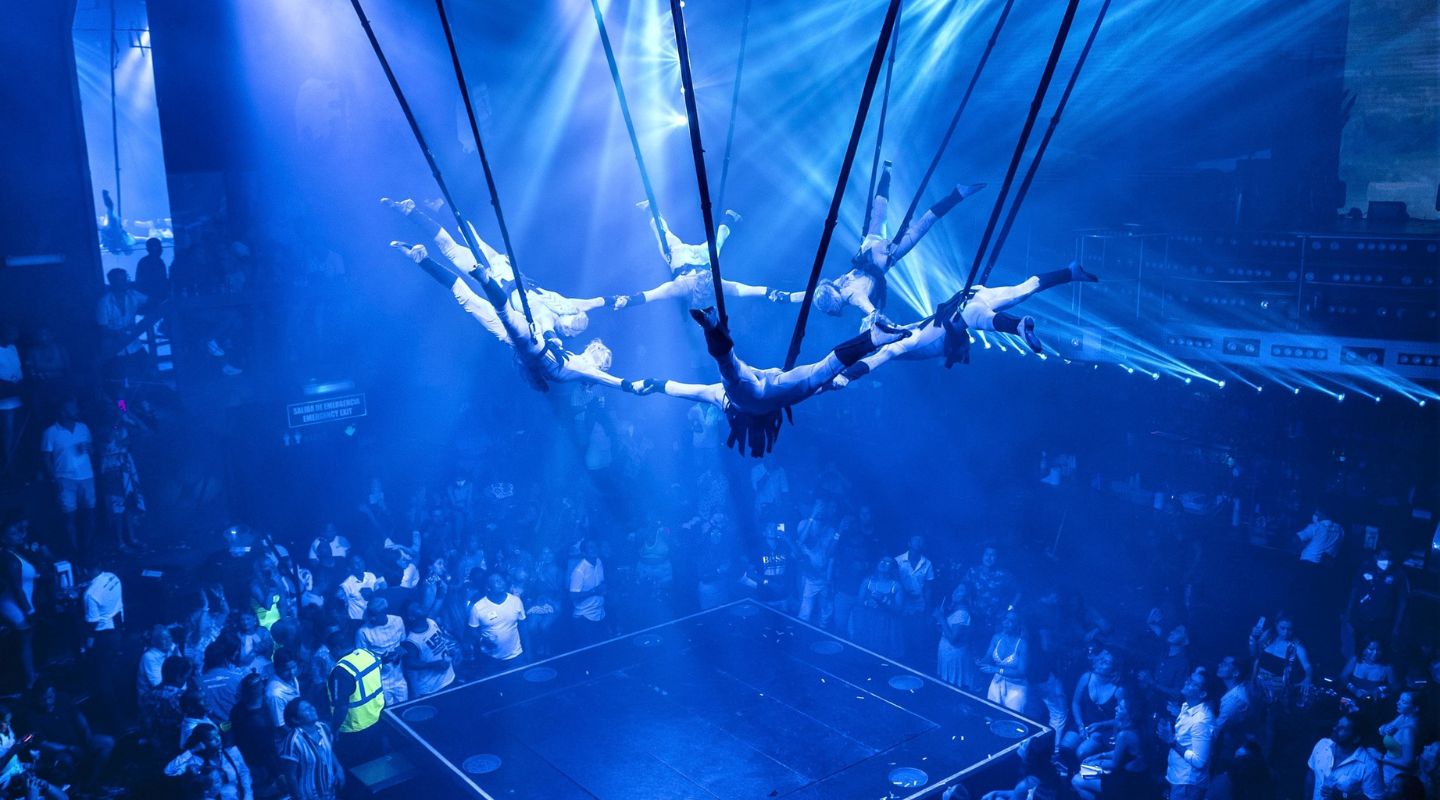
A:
946	335
864	285
689	271
553	312
542	358
751	398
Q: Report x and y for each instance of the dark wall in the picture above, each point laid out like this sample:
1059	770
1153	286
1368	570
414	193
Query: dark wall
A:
45	193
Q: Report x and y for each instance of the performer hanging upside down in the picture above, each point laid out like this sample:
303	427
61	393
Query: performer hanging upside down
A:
946	333
751	398
689	271
552	311
542	358
864	285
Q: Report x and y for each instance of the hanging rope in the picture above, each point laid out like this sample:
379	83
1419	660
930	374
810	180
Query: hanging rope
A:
734	104
954	120
1044	143
465	231
866	95
630	128
682	47
880	130
484	161
1045	78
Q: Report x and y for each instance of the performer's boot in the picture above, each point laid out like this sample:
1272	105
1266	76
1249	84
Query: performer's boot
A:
857	347
717	339
960	192
1024	327
1056	277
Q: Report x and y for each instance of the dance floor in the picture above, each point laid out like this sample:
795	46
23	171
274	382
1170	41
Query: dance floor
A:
737	702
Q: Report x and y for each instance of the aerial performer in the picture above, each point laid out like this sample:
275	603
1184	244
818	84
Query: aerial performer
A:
863	286
751	398
542	357
552	311
689	270
945	334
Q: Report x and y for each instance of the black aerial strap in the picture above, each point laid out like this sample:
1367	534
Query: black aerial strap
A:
880	130
866	95
734	104
1035	103
1040	149
954	120
682	47
484	162
465	231
630	128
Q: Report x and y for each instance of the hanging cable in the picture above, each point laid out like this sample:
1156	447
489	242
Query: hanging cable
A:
465	230
1040	149
954	120
880	129
484	162
1035	103
692	115
630	128
866	95
734	104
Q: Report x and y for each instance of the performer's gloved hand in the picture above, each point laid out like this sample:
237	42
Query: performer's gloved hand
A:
778	296
642	387
734	217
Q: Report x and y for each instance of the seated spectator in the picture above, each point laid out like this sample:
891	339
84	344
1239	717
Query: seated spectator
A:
64	738
1092	707
1122	772
205	755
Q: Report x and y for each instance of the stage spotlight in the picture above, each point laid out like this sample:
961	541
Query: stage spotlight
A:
1187	381
1221	384
1422	403
1340	398
1297	390
679	119
1259	388
1155	376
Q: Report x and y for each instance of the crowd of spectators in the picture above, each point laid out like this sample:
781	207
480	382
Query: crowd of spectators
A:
261	675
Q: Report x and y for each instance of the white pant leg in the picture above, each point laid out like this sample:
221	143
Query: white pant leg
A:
911	236
673	289
978	314
480	309
722	234
876	223
792	386
1004	297
454	252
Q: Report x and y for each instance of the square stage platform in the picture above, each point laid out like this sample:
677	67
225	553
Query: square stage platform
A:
737	702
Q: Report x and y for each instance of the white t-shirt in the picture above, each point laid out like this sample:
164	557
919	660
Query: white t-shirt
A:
355	603
584	578
104	601
913	576
339	547
278	694
70	449
499	623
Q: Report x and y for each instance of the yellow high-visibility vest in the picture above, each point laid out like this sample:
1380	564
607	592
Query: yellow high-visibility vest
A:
366	700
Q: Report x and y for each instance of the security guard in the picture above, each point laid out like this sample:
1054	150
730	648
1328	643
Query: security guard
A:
356	700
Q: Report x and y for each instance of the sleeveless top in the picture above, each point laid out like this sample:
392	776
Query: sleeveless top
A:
432	645
1091	711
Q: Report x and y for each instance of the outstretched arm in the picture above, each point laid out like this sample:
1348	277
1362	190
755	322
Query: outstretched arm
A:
738	289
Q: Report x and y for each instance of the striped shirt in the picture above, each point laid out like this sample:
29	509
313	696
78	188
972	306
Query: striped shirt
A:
317	773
